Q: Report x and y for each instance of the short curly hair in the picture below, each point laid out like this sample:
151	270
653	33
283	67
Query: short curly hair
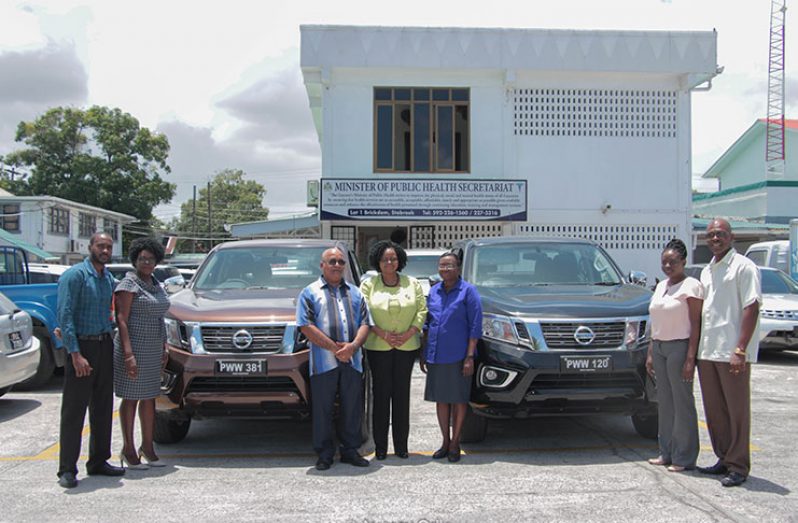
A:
378	249
145	244
676	245
451	254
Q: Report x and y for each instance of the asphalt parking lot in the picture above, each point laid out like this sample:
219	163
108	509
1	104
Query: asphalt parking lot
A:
553	469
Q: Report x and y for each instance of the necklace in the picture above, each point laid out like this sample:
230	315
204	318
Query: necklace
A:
394	284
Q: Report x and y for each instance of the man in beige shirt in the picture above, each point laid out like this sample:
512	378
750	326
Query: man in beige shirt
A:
728	346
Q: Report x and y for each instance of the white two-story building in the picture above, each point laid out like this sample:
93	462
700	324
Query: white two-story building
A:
438	134
55	229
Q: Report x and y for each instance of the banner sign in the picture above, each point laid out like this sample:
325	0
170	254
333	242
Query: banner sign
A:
414	199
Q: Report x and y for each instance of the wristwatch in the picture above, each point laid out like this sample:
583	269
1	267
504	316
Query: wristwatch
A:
740	352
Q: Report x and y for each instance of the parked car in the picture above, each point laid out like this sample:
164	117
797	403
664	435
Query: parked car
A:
775	253
778	315
422	264
45	272
234	348
171	279
563	333
186	263
19	348
39	301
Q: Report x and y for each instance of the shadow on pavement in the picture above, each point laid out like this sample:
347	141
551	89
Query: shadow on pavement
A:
11	407
782	359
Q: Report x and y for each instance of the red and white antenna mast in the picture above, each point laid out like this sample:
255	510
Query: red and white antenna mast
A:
774	143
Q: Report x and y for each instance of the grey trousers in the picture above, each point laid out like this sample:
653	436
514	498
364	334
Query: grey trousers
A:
678	421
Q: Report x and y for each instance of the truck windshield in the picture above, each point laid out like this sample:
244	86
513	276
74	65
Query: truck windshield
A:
776	282
421	265
260	268
542	263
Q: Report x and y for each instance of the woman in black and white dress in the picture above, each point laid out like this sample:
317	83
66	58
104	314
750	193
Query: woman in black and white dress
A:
140	350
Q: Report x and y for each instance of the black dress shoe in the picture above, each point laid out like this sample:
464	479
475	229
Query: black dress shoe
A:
402	455
454	456
716	470
440	453
68	480
356	460
733	479
323	464
106	469
380	455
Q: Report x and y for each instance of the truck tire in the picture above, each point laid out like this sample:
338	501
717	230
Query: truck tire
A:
647	425
46	363
475	427
170	429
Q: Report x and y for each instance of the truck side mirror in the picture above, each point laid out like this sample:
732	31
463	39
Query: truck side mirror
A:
638	278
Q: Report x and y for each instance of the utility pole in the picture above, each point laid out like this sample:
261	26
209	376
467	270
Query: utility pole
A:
194	222
210	240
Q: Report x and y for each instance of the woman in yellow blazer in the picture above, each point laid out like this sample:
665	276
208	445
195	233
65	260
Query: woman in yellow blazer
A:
399	309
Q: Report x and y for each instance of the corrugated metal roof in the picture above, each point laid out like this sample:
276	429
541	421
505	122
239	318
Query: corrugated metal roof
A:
6	236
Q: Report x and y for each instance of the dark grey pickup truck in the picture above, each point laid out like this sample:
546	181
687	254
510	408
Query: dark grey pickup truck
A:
563	333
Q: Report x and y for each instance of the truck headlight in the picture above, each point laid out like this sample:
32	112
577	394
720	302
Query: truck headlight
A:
293	340
173	333
499	328
636	331
184	335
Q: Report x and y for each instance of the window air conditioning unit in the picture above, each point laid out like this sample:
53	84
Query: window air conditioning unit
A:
78	246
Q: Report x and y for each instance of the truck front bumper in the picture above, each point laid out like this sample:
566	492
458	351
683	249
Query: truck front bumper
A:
518	382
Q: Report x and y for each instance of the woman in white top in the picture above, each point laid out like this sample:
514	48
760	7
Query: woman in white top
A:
675	311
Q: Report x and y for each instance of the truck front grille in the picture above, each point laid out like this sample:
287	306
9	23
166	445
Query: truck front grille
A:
265	338
219	384
554	382
607	335
780	314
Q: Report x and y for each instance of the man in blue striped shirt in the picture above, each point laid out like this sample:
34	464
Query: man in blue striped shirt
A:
334	317
85	315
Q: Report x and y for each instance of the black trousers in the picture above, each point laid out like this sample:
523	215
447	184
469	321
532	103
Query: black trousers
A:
390	376
348	384
94	392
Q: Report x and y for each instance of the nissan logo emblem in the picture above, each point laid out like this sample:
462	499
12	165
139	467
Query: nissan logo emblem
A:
242	339
584	335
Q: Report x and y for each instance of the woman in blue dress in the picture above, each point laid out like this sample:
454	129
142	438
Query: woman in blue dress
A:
452	330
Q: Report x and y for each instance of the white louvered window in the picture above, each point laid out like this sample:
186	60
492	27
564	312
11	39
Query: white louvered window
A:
604	113
448	234
611	237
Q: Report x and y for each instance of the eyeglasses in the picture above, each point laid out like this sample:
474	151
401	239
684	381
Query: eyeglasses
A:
335	261
145	261
447	267
389	260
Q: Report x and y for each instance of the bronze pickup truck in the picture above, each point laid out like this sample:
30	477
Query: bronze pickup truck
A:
234	349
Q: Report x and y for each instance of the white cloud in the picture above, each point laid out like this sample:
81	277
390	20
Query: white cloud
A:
222	78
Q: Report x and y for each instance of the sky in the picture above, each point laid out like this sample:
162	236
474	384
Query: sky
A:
222	81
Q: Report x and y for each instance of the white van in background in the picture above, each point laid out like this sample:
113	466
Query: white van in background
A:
774	253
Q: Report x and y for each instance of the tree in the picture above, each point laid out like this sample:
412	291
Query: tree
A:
99	156
233	200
